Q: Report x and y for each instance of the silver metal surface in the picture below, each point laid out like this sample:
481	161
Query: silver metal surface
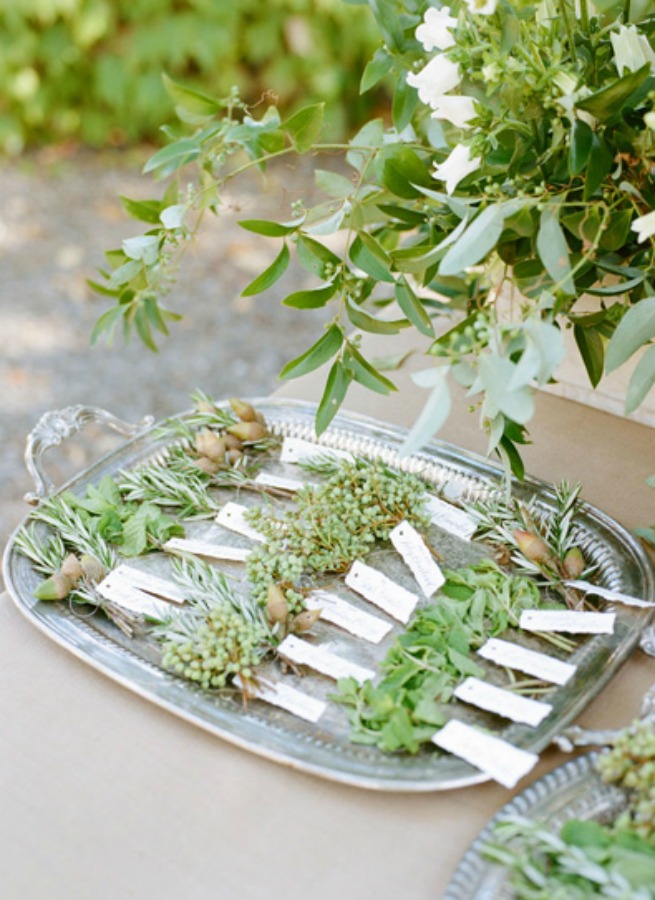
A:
324	749
572	791
58	425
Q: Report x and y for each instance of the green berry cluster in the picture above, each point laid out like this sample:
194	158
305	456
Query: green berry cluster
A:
216	647
631	765
331	525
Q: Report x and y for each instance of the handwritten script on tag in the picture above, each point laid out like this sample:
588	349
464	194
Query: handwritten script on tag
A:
572	621
539	665
286	697
498	759
413	549
450	518
502	702
296	450
343	614
321	660
206	548
381	591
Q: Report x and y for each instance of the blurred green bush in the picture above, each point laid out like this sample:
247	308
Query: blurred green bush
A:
90	70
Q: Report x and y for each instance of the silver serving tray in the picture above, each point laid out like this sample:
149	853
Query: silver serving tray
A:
572	791
324	749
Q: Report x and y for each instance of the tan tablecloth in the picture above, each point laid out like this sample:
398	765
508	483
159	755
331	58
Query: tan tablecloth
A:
105	796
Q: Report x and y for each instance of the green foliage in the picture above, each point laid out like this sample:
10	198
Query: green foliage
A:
427	661
90	70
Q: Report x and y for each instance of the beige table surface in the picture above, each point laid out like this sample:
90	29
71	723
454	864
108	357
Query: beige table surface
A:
105	796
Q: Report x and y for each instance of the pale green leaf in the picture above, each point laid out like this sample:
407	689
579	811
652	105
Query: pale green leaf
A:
635	329
643	379
553	249
270	275
434	413
477	240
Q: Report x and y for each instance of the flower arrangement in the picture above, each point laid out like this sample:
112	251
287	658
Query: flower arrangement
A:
519	157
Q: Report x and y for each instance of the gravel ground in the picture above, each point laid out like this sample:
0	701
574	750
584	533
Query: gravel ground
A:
58	215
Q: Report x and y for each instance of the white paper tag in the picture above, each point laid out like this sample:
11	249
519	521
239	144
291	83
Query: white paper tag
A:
450	518
324	661
502	702
124	594
279	481
296	450
339	612
413	549
539	665
503	762
206	548
384	593
152	584
286	697
233	517
570	620
608	594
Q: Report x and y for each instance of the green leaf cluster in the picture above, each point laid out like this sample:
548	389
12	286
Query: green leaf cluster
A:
404	709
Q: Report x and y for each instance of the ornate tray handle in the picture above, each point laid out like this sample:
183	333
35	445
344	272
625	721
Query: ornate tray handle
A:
58	425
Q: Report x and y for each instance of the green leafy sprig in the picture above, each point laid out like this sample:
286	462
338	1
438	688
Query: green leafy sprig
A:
422	668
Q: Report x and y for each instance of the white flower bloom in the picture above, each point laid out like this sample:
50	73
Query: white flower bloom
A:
456	109
482	7
434	80
631	49
434	32
644	226
457	166
649	120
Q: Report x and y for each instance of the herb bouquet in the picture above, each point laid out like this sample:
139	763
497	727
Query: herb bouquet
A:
519	159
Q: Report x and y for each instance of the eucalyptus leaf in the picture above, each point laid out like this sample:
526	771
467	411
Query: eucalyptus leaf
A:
642	381
476	241
553	249
270	275
635	329
433	415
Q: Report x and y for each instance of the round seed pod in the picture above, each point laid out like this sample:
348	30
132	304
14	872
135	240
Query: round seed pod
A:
57	587
573	563
209	444
276	604
243	410
92	568
248	431
206	465
72	568
305	620
233	456
260	418
533	547
232	442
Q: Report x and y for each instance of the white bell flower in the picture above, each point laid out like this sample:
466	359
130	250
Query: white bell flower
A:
434	32
644	226
436	79
482	7
456	167
456	109
631	49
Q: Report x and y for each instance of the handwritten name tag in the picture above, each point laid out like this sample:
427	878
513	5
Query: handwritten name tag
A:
288	698
498	759
152	584
539	665
572	621
450	518
321	660
607	594
411	546
233	517
343	614
384	593
206	548
265	479
123	594
502	702
296	450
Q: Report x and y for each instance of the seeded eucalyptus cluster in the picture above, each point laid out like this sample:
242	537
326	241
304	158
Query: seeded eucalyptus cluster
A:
331	525
218	635
631	764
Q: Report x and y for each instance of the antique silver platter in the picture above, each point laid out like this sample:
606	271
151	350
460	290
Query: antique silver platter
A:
572	791
324	749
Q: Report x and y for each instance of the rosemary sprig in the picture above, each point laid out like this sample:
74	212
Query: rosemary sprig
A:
171	484
73	530
47	555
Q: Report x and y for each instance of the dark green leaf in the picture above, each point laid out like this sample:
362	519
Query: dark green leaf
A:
580	147
375	70
364	373
592	351
607	103
143	210
323	350
311	299
403	168
154	315
304	126
368	255
413	308
190	100
336	388
601	160
314	256
616	233
363	320
268	228
270	275
404	104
